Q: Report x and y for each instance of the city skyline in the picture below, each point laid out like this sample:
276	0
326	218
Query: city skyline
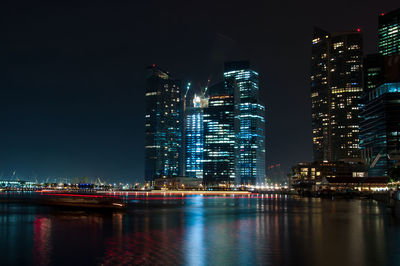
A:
69	110
200	132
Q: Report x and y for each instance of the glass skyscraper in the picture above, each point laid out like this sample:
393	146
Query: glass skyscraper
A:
380	109
249	124
380	128
219	136
336	87
373	72
389	33
223	129
163	125
194	133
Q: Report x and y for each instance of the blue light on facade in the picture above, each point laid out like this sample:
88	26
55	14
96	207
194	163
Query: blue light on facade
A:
195	138
219	137
163	126
249	125
380	128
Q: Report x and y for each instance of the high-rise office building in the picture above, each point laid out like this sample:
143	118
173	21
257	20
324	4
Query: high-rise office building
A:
163	125
219	136
380	103
249	124
380	128
373	72
346	87
389	33
320	95
336	87
194	137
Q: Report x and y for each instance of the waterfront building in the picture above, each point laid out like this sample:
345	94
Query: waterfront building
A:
249	124
389	33
194	137
380	128
380	103
308	175
178	183
219	136
163	125
336	87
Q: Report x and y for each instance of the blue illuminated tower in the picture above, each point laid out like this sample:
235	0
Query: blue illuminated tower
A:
249	124
219	137
194	132
163	125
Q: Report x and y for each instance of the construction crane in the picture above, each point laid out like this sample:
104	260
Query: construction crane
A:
187	88
206	87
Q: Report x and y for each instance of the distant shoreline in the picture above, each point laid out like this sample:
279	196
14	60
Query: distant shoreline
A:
195	192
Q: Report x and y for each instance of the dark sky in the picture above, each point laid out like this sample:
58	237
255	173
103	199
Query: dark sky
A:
73	73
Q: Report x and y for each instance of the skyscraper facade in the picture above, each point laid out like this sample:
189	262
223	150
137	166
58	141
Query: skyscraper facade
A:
163	125
380	128
346	87
249	124
336	87
389	33
380	105
194	133
320	95
219	136
373	72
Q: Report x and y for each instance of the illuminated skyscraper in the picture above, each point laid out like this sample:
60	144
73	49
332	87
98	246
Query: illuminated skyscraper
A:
380	128
249	124
320	95
336	87
194	133
346	87
380	109
163	125
389	33
219	136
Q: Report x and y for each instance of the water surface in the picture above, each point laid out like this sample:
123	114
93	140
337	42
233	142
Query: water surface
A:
202	230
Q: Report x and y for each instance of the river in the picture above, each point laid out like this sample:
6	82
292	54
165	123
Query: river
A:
203	230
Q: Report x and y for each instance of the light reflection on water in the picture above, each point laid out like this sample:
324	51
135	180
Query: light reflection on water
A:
197	230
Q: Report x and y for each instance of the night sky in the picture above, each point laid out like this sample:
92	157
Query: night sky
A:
73	74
